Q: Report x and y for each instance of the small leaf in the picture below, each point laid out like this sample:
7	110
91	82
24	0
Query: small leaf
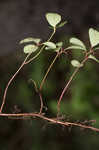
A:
59	44
57	49
94	37
61	24
30	48
93	57
30	39
75	47
53	19
51	45
76	63
96	47
36	40
77	42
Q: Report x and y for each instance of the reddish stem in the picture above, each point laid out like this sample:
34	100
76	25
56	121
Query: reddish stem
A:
68	83
7	86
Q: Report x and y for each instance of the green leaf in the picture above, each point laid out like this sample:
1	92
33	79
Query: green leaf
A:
77	42
61	24
93	57
36	40
96	47
53	19
30	39
75	47
30	48
94	37
50	45
57	49
76	63
59	44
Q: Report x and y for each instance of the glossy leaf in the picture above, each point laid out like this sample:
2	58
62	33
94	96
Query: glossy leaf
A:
30	39
77	42
94	58
76	63
59	44
94	37
53	19
30	48
51	45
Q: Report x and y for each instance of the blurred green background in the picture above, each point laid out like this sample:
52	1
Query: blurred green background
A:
79	104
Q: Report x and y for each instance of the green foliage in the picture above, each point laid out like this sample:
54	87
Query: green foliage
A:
94	37
77	44
30	39
61	24
42	77
59	44
76	63
94	58
53	19
30	48
79	104
50	45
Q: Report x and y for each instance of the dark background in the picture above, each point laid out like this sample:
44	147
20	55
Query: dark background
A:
25	18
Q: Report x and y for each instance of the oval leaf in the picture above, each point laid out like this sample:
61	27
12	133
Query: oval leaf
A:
51	45
53	19
30	39
75	47
76	63
93	57
59	44
78	42
94	37
30	48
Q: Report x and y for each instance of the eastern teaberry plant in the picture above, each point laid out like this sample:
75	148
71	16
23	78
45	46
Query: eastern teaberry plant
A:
36	47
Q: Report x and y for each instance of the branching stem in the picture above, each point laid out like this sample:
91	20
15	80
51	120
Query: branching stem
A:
49	68
41	48
26	61
52	120
68	83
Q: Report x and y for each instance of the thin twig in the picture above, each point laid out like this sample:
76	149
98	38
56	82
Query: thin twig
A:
49	68
52	120
24	63
27	62
41	101
12	78
42	47
68	83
